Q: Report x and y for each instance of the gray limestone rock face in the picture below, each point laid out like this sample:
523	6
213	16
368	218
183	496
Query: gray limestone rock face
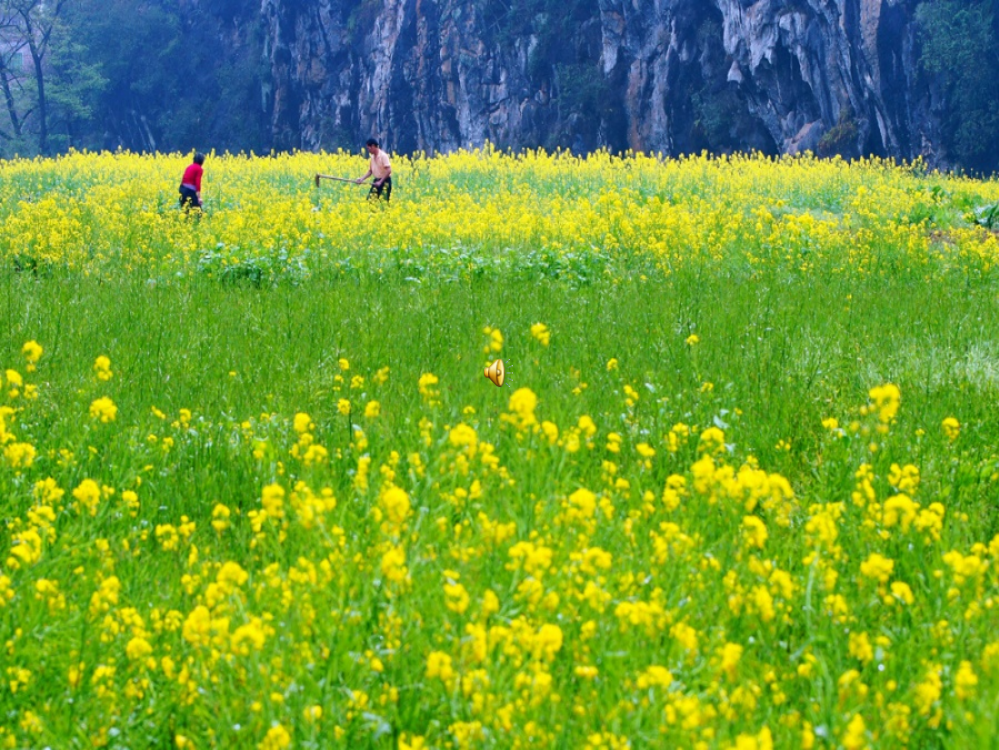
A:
669	76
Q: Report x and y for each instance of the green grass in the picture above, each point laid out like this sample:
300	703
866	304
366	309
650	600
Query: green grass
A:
786	351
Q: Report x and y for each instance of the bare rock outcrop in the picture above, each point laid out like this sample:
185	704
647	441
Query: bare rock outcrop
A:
670	76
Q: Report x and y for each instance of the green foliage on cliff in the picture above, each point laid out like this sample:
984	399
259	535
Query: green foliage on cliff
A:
144	75
841	139
960	41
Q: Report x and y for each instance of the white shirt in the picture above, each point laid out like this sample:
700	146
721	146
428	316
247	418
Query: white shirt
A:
380	165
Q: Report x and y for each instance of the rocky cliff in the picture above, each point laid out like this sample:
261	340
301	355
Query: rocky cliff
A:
674	76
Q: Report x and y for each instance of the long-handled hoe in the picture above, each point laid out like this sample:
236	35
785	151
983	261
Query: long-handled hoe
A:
331	177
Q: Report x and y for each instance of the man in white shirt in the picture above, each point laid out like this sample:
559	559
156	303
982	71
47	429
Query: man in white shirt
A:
381	169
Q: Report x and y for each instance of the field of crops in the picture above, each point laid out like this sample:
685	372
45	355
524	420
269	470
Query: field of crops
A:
740	489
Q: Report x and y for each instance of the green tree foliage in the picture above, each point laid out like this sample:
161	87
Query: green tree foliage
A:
137	47
32	29
76	83
170	84
137	74
960	42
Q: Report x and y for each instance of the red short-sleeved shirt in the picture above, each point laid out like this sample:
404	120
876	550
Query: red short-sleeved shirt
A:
192	176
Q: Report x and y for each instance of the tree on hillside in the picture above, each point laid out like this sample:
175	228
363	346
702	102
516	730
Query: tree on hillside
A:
28	27
75	84
960	41
139	49
12	76
169	84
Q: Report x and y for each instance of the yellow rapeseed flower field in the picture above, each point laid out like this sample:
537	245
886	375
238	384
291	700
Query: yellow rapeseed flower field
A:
738	491
98	212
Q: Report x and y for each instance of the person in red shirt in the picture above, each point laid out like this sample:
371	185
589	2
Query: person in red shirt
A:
190	184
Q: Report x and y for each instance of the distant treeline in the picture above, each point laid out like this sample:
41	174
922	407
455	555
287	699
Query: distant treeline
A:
139	74
176	75
960	43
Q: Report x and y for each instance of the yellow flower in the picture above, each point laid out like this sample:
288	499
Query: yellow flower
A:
456	597
467	734
548	642
343	406
372	409
761	741
928	691
550	430
614	442
860	647
277	738
877	567
905	479
522	405
902	592
88	495
138	648
394	502
439	666
6	592
490	603
712	441
393	565
731	654
26	548
463	436
344	364
886	400
685	635
104	410
754	532
951	428
32	352
495	345
541	333
20	455
677	437
901	510
426	385
854	738
965	681
611	364
249	637
198	626
654	676
272	500
220	518
231	575
303	423
14	380
692	340
313	713
31	723
102	366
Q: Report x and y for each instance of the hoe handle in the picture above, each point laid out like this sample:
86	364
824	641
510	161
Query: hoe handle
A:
331	177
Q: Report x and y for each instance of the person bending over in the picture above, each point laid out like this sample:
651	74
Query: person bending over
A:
381	169
190	184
